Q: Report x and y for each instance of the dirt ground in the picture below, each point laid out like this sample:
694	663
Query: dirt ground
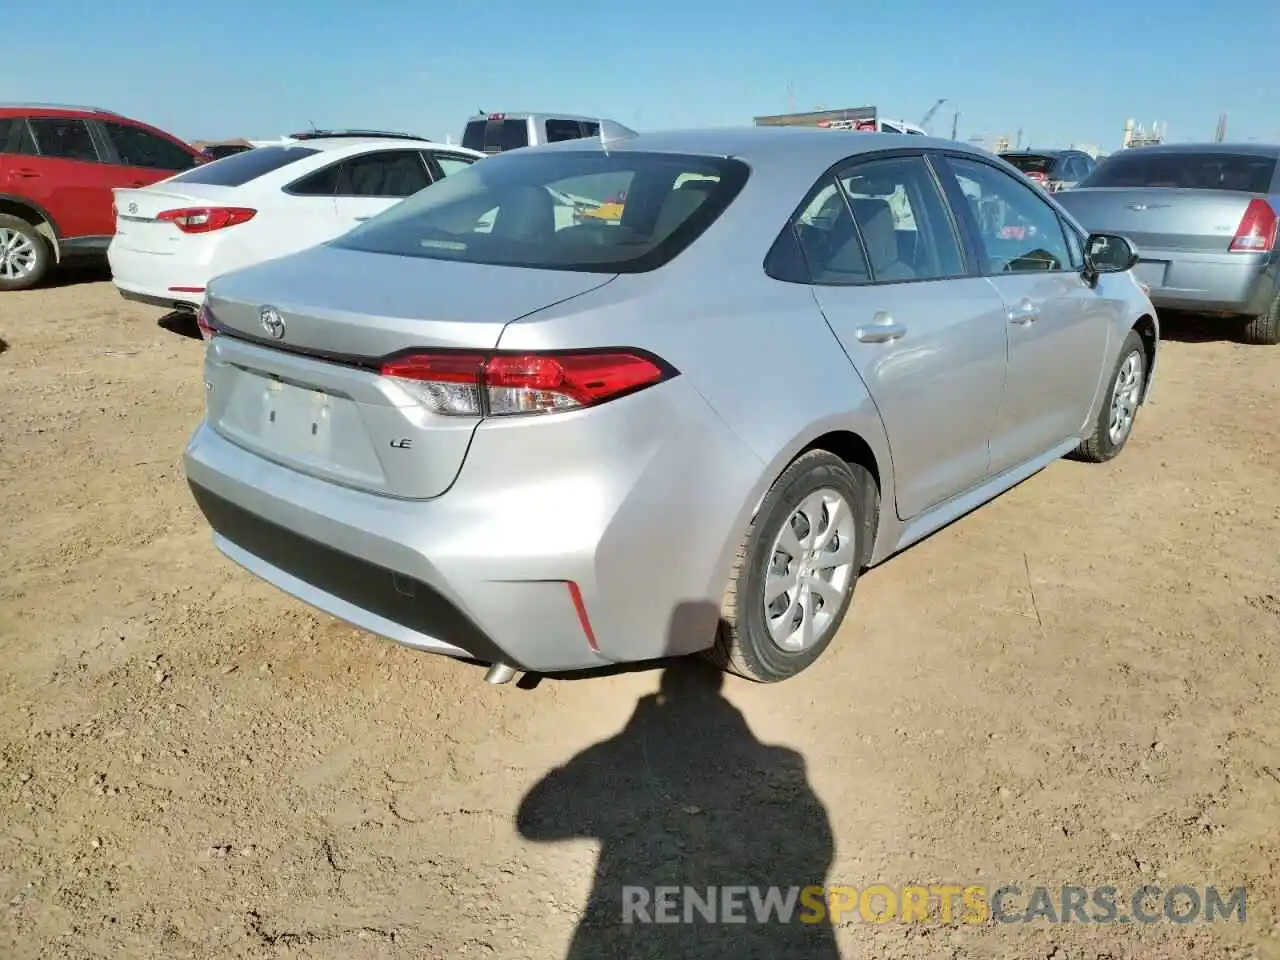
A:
1077	684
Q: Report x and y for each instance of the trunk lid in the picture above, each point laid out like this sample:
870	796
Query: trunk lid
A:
313	399
136	209
1161	218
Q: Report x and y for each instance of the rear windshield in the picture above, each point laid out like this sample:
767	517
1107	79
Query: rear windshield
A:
1031	164
239	168
496	136
1190	171
588	211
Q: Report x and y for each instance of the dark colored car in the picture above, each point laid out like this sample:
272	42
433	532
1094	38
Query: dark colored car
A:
216	151
1053	169
58	166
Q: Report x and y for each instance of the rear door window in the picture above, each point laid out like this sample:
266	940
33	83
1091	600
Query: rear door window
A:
239	169
1189	171
903	220
389	173
828	238
15	137
140	148
558	130
64	139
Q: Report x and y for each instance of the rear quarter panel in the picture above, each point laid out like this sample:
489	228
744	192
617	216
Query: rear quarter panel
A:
757	350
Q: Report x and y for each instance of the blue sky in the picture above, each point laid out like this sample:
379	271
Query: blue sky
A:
1063	72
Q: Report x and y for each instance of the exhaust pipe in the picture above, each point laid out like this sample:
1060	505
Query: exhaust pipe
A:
500	673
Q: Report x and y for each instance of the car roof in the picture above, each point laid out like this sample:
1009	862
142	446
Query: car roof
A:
526	114
356	144
1269	150
23	109
766	143
1035	153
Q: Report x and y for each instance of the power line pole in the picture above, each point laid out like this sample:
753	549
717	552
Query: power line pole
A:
955	124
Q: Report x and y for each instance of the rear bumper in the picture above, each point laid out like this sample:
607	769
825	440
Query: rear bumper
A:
1237	284
149	277
634	509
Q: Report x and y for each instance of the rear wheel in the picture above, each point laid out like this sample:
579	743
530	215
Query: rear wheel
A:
1114	426
796	569
1265	330
24	254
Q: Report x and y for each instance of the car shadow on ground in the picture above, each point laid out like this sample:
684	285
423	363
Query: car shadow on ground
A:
686	797
1198	328
181	322
77	271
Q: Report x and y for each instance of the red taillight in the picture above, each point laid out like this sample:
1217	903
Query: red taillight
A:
473	384
206	219
1257	230
204	320
497	116
1037	176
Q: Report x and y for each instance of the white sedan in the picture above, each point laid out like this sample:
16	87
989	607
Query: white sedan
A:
174	236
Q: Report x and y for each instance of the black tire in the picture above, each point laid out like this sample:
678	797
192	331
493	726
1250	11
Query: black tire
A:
1264	331
43	254
744	645
1098	447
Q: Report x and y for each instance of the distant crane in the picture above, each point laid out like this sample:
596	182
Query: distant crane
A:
929	116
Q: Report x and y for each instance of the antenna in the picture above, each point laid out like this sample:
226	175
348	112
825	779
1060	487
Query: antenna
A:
314	128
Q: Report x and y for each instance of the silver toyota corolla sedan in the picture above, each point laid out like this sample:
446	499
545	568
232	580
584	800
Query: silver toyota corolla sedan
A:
1204	219
601	402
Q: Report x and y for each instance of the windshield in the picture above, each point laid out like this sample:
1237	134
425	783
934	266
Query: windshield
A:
1028	163
1189	171
589	211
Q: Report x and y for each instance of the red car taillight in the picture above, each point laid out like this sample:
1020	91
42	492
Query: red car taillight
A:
1038	177
1257	230
204	320
206	219
473	384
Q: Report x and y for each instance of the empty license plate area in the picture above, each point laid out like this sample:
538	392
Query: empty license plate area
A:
319	432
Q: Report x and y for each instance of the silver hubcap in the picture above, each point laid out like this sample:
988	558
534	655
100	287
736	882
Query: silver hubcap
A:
809	571
1125	396
17	255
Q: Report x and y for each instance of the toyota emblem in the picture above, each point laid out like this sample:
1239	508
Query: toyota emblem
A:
271	322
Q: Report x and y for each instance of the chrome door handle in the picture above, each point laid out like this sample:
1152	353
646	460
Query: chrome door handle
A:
1024	314
881	330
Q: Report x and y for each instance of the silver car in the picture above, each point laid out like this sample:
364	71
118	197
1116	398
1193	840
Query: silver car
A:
1204	220
485	429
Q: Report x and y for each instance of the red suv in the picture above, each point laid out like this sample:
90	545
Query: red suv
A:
58	166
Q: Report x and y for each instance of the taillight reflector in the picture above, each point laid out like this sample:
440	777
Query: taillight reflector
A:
474	384
206	219
204	320
1257	230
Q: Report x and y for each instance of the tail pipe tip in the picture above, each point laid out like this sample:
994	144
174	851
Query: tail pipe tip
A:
500	673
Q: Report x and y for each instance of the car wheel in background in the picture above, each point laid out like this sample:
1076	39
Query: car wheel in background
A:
1265	330
796	569
1120	403
24	254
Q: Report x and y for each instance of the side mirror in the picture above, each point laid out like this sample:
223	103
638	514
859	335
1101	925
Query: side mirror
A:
1107	253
